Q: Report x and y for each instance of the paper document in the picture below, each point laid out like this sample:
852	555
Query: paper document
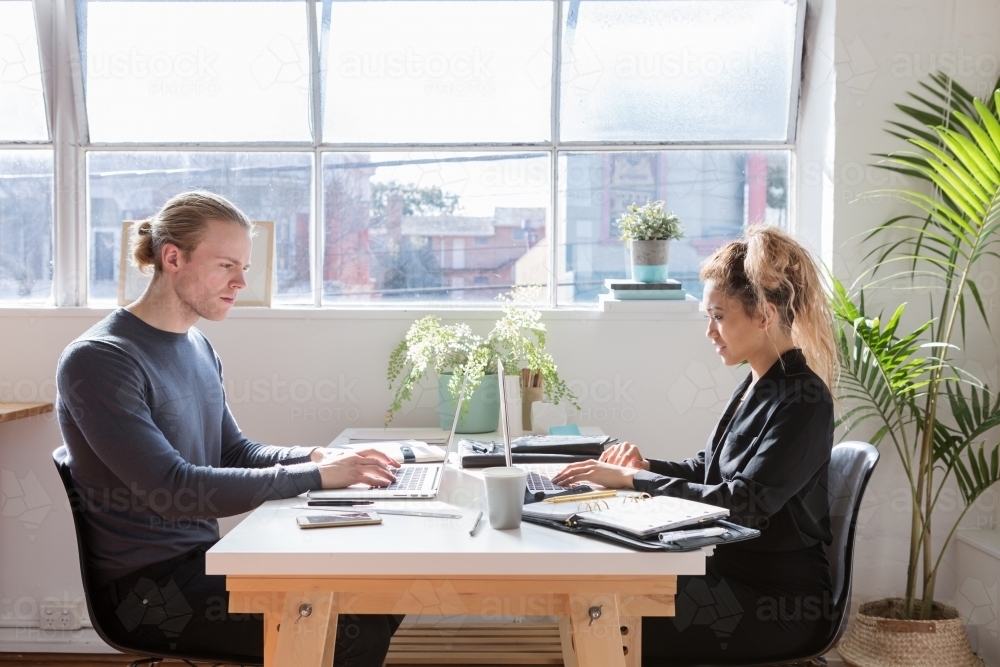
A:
404	451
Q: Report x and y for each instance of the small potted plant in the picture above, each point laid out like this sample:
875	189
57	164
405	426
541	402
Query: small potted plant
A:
453	351
648	231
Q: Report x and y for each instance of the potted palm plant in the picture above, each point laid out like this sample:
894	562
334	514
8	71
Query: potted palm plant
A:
935	414
648	231
454	352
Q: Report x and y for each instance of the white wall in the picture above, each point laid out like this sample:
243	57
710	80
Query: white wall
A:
657	383
883	51
652	382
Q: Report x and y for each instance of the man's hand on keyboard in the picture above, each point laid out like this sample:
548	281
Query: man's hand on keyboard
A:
339	470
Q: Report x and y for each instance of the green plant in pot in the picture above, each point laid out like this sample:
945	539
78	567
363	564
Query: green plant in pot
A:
648	231
453	352
936	415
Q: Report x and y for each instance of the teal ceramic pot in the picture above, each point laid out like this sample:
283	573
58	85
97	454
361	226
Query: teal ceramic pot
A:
483	414
649	260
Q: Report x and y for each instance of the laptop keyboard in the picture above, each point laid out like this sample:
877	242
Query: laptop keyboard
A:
408	478
540	477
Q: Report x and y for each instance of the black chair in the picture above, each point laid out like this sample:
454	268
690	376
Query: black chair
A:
77	507
851	466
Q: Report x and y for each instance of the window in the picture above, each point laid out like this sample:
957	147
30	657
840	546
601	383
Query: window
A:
431	151
26	174
634	70
173	71
436	71
21	104
408	226
25	225
127	186
715	192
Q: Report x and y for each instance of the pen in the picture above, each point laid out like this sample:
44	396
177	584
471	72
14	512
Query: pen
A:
679	535
581	496
338	503
475	524
380	510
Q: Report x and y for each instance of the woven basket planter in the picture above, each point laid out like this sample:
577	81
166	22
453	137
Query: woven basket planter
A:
879	639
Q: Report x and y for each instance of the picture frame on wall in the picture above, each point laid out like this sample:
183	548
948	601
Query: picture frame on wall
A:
260	276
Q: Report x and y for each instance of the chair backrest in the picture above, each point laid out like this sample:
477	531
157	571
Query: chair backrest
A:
76	503
851	466
77	507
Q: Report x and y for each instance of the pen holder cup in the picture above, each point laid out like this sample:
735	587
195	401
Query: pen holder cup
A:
529	395
505	496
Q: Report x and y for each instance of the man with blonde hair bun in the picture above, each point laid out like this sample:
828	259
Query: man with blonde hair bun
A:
157	456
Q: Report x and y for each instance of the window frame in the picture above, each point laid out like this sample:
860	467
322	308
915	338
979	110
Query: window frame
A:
66	115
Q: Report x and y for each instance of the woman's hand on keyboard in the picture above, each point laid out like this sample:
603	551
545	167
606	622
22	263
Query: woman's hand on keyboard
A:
625	454
597	472
362	467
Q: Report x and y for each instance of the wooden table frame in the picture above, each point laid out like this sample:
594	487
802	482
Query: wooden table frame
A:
612	640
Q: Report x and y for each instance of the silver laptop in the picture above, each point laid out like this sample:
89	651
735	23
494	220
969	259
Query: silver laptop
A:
413	480
539	474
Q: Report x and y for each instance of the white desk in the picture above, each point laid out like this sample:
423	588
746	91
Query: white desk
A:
413	565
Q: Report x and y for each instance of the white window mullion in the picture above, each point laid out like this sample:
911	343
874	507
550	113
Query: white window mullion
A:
552	230
59	42
316	226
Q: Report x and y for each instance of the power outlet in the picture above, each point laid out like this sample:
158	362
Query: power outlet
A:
60	615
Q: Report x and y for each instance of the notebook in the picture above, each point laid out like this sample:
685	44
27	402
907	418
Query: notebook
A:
638	515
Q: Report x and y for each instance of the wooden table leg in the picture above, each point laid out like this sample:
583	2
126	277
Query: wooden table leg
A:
272	619
598	642
306	641
631	630
566	639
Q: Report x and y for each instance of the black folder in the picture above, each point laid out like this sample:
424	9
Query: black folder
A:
533	449
734	533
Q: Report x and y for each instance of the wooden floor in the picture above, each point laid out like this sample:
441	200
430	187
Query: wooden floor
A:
85	660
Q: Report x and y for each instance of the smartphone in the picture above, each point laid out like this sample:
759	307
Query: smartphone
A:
333	520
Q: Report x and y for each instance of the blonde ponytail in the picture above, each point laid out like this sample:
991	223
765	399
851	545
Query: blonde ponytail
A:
767	266
182	222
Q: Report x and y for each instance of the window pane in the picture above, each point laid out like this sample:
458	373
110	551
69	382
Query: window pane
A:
266	186
25	225
434	227
22	107
715	193
677	70
438	71
196	71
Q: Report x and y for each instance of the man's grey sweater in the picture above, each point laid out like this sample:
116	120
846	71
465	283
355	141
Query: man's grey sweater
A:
154	450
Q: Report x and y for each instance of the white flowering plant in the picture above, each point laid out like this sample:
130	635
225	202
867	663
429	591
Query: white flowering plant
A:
518	339
649	223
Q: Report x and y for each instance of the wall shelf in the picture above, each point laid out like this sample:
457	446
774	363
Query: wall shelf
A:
11	411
